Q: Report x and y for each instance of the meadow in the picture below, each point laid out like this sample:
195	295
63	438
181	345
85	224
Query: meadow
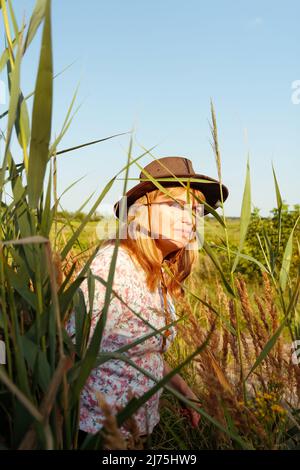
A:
266	416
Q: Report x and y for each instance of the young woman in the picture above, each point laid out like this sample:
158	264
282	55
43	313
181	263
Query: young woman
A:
160	232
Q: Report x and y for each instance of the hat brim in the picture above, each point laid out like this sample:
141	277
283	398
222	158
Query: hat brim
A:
210	188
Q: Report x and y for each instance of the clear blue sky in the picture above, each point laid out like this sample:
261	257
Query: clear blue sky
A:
155	65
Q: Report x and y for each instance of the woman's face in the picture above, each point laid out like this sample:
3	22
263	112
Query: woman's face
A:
173	223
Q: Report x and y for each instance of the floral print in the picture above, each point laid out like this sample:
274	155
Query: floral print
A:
116	379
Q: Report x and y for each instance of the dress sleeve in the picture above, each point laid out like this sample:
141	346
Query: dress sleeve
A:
173	328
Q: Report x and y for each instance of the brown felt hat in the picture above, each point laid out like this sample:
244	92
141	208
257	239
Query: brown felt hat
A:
182	168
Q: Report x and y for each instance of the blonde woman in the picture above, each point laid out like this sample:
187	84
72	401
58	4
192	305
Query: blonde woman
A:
160	231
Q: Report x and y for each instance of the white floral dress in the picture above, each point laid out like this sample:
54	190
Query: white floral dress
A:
116	379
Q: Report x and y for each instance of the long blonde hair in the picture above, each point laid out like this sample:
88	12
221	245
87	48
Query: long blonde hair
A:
144	250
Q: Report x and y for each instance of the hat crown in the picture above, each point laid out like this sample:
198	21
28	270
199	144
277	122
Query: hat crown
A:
166	167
